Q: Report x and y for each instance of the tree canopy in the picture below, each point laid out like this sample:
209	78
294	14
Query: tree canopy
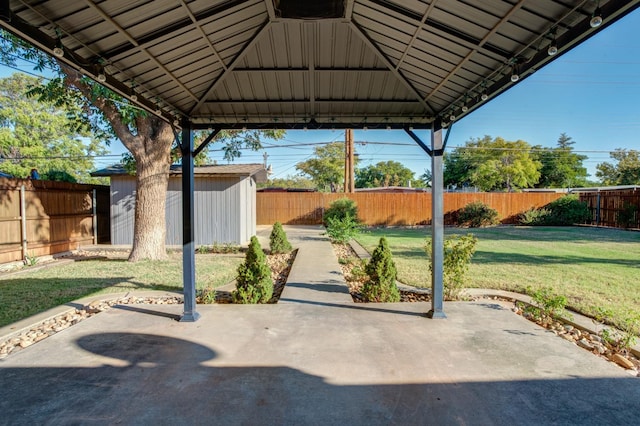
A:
42	135
492	165
384	173
149	138
561	167
326	168
624	171
289	182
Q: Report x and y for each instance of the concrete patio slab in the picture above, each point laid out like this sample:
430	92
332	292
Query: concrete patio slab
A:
313	363
315	358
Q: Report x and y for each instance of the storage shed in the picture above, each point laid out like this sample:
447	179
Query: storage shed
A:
224	202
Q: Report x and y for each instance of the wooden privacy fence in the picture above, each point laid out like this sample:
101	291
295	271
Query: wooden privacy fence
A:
607	205
388	208
43	217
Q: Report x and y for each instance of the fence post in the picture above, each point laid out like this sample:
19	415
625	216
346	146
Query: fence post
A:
598	209
95	218
23	222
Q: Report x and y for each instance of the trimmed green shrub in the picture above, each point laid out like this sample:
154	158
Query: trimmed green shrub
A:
458	252
340	209
278	240
254	283
567	211
380	285
341	230
477	214
534	217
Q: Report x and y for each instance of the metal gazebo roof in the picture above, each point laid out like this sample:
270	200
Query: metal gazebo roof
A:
314	63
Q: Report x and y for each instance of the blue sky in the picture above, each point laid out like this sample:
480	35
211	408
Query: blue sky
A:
591	93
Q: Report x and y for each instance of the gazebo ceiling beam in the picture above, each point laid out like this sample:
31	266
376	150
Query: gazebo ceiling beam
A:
383	58
234	63
133	41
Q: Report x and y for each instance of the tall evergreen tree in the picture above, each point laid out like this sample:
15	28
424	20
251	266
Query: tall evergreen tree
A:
561	167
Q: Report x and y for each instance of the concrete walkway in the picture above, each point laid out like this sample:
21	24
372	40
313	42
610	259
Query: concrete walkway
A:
313	360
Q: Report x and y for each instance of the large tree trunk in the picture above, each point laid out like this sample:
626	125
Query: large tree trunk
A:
153	157
149	233
149	140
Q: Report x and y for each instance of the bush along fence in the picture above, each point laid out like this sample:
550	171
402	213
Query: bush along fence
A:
40	218
392	209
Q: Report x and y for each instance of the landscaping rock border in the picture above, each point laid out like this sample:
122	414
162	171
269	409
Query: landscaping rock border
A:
49	327
15	342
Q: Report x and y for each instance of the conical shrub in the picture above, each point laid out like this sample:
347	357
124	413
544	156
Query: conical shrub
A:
254	283
381	270
278	240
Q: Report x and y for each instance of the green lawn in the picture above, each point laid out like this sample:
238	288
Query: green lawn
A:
592	267
30	292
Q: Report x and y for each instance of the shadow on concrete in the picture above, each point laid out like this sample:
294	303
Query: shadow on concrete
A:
149	379
369	307
132	308
323	286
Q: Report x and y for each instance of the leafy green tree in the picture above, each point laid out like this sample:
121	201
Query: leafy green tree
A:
147	137
625	170
232	143
289	182
384	173
492	165
41	135
458	166
326	168
561	167
254	283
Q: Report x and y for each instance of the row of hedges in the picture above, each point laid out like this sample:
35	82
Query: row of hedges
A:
564	211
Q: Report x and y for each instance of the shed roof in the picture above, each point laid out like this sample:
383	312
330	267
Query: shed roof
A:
321	63
255	170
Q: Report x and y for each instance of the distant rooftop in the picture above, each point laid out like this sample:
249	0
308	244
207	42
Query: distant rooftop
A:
255	170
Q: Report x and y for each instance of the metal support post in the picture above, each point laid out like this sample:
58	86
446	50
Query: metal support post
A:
188	235
23	222
94	217
437	223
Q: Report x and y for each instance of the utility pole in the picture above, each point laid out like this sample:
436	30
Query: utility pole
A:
349	183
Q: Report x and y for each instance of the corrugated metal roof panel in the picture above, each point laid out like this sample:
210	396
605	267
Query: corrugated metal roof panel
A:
230	60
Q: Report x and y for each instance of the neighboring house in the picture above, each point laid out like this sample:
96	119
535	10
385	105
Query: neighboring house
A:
224	203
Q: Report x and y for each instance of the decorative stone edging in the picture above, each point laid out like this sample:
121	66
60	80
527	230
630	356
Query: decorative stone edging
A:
40	331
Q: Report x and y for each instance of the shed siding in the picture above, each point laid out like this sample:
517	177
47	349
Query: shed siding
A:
223	214
123	202
217	208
